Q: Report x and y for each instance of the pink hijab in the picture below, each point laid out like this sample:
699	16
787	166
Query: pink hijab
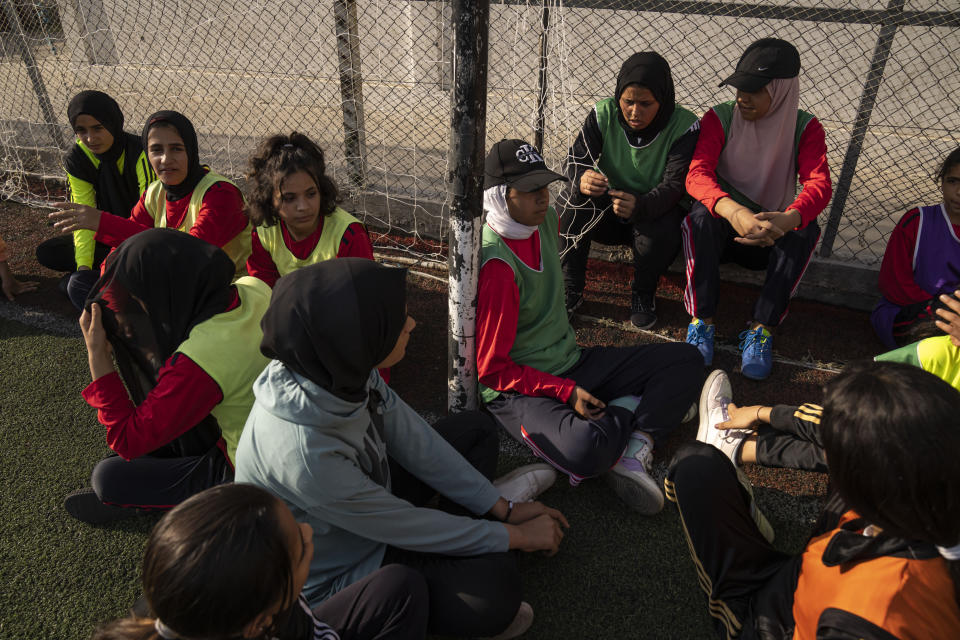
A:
758	158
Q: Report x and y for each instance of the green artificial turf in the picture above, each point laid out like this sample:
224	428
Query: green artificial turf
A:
60	577
618	574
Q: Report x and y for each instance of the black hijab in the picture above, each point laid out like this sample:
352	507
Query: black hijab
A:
115	192
155	288
195	170
334	321
651	71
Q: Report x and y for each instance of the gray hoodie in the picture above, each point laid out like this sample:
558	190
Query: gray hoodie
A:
326	459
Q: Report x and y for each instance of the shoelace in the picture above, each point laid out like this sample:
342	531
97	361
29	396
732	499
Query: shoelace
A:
754	336
699	334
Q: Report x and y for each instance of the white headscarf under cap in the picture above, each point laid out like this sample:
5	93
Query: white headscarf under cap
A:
498	215
758	158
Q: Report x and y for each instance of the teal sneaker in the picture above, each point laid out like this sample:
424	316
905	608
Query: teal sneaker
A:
756	360
700	335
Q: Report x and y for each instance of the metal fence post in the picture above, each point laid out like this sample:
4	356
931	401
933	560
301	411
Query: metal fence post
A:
881	53
542	103
39	88
351	89
471	20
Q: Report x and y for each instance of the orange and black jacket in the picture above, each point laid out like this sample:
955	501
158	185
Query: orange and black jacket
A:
871	587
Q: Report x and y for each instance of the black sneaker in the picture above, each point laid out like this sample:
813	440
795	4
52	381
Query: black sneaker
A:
84	505
643	308
573	301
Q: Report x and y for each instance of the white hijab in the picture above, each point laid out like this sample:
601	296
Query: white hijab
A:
498	215
758	158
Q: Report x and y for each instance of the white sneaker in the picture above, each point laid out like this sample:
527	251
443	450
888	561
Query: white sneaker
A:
630	479
521	623
525	483
716	395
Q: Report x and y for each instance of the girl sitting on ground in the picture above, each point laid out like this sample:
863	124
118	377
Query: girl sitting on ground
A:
351	459
588	411
230	563
626	168
186	342
921	262
884	558
188	196
744	172
293	205
106	169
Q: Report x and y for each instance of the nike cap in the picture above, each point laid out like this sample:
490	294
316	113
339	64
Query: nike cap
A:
519	165
763	61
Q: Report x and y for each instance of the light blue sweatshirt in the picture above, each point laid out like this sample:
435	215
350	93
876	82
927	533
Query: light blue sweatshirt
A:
322	455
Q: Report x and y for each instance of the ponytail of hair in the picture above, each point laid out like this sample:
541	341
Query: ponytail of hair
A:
132	628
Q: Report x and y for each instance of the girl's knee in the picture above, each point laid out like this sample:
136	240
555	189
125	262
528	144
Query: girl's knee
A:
106	475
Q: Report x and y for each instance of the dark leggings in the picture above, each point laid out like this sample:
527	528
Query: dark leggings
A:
667	377
389	604
469	595
653	243
709	240
158	483
748	583
58	254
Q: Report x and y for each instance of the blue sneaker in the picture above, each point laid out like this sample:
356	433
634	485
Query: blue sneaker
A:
700	335
756	359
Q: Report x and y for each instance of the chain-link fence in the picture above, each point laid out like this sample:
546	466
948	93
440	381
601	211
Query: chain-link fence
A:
370	81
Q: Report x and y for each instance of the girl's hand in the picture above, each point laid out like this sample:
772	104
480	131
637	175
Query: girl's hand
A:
623	203
740	417
744	222
543	533
593	183
585	404
10	285
526	511
73	216
949	320
98	347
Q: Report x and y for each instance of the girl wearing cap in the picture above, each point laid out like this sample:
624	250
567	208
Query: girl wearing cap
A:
744	173
188	196
626	168
107	169
578	409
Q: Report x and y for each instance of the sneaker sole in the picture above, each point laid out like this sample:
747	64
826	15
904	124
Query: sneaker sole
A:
702	407
643	326
753	376
640	493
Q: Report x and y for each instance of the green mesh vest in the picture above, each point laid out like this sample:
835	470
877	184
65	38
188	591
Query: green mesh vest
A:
628	167
545	339
227	348
724	111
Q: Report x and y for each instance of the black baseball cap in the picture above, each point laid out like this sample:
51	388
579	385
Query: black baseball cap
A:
519	165
763	61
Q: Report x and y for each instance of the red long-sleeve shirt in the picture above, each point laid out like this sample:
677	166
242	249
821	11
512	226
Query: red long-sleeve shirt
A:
219	220
355	243
896	271
184	395
498	311
812	169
